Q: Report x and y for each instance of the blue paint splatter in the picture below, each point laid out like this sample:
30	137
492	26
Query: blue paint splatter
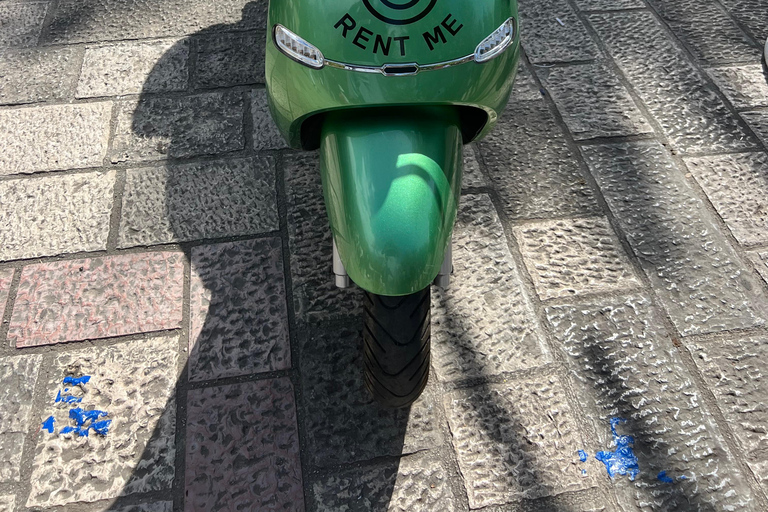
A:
583	456
682	477
622	461
48	424
75	381
583	471
664	478
80	416
101	427
69	399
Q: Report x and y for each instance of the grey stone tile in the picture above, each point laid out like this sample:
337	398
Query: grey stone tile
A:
525	88
134	382
239	317
197	201
243	448
231	58
745	86
483	324
753	14
7	503
18	376
608	5
34	75
547	40
161	506
530	164
55	215
265	133
589	500
516	440
737	187
574	256
414	483
472	175
157	128
133	68
623	365
758	121
6	276
53	137
760	260
342	422
21	23
691	115
696	274
593	102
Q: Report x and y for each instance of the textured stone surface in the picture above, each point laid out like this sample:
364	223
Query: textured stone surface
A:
516	440
691	115
623	365
695	273
472	175
745	86
29	76
239	317
758	121
133	68
418	482
55	214
53	137
134	383
97	298
525	88
7	503
760	259
593	102
265	133
21	23
160	506
608	5
18	376
589	500
243	448
483	324
546	40
6	276
230	59
752	14
196	201
157	128
341	421
572	257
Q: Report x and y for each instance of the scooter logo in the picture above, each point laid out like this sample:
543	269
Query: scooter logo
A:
400	12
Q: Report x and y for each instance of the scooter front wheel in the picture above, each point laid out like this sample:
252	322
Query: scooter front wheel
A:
396	336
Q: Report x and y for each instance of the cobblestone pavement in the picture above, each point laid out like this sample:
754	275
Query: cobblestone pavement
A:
172	339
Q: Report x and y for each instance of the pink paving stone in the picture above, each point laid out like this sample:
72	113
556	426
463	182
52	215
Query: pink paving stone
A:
6	276
97	298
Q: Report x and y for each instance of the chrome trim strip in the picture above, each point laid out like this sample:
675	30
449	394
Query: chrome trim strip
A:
382	69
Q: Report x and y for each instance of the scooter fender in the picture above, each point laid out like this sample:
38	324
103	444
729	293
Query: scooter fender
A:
391	182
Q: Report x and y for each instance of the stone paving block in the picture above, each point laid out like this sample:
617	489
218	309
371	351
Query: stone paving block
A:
760	261
239	316
157	128
483	324
265	133
243	448
18	376
34	75
530	164
696	274
752	14
6	276
737	187
546	40
161	506
341	421
516	440
314	291
758	121
97	298
745	86
53	137
472	175
608	5
573	257
691	115
134	68
7	503
593	102
134	382
180	203
414	483
589	500
624	365
55	215
21	23
231	58
525	88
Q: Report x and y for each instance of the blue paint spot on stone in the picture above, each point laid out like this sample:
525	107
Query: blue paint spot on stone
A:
682	477
583	471
101	427
662	476
67	430
81	417
68	399
75	381
622	461
48	424
583	456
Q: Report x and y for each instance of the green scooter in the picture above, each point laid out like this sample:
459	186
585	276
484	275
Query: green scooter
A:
389	91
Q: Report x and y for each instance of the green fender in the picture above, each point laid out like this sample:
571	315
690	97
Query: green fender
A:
391	181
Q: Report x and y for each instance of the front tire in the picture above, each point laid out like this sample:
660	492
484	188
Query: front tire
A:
396	336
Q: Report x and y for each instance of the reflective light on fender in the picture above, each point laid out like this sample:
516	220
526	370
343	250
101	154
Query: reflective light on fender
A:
297	49
496	43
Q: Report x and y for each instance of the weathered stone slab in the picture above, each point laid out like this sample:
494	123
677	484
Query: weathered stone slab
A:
97	298
752	14
483	324
133	68
198	201
53	137
735	184
691	115
608	5
745	86
134	382
525	88
157	128
21	23
623	365
160	506
239	316
761	263
18	376
696	274
6	276
231	58
593	102
547	40
589	500
243	448
55	215
758	121
265	133
7	503
472	175
34	75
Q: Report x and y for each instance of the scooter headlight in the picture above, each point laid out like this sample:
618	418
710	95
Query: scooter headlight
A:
496	43
298	49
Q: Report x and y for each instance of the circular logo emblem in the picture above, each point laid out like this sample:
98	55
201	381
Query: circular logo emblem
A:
399	12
